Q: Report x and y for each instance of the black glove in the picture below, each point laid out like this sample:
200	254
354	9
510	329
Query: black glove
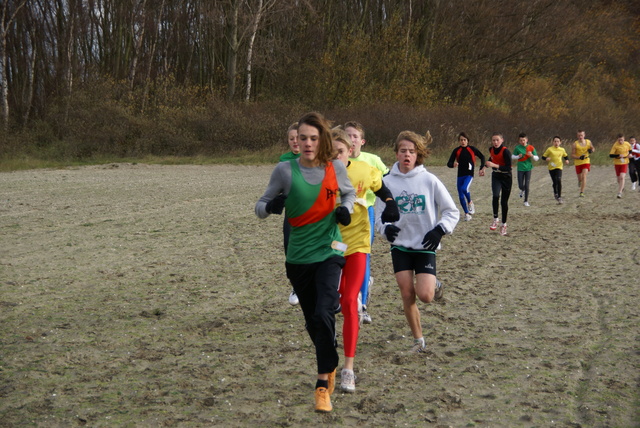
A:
390	213
582	157
432	238
590	150
276	205
343	216
391	232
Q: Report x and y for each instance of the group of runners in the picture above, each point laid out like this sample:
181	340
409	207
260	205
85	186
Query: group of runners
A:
625	154
335	196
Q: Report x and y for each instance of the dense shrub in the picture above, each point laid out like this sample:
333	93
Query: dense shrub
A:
104	120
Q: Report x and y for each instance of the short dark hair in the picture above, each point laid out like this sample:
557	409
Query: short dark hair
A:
463	134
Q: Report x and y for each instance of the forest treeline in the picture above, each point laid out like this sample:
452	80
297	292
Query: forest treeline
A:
81	78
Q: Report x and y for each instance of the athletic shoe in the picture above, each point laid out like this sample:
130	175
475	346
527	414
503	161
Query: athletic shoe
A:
503	230
619	195
555	196
582	194
472	208
293	299
633	186
521	193
331	381
495	224
348	381
439	290
366	318
560	200
323	400
467	217
418	347
360	312
527	204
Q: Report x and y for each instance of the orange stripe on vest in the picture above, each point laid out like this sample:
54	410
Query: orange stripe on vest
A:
325	202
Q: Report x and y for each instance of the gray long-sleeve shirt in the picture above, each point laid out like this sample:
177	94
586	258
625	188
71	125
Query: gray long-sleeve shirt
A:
280	182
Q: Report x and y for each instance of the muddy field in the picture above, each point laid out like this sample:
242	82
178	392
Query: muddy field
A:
137	295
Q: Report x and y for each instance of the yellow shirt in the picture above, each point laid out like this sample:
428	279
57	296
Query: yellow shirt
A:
375	162
620	149
582	150
357	235
557	155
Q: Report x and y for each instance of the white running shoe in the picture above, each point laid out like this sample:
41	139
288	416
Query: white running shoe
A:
527	204
348	381
472	208
366	318
437	295
467	217
633	186
503	230
619	195
521	193
418	346
293	298
495	224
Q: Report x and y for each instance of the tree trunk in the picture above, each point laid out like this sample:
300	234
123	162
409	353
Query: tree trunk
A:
147	80
69	67
137	42
252	40
4	81
233	45
31	81
406	52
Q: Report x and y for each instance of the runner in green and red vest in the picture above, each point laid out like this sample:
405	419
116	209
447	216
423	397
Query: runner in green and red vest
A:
307	188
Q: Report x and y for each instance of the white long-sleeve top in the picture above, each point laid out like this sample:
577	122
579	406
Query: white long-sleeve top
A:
424	202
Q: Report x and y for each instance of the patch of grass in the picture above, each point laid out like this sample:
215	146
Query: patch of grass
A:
438	157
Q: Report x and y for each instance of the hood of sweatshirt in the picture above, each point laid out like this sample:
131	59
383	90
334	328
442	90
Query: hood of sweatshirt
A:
395	170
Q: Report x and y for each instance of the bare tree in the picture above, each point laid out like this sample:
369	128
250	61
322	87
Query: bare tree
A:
6	20
233	45
31	73
154	44
137	30
260	11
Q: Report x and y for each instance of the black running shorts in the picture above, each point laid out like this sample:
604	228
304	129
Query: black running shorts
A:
417	261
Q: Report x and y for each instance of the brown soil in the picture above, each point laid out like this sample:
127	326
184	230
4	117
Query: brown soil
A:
136	295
